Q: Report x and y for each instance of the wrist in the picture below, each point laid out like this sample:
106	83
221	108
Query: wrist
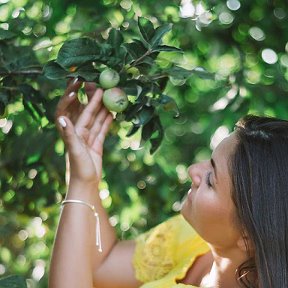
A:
92	179
82	190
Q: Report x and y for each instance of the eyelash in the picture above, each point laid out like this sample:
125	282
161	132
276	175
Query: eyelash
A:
208	181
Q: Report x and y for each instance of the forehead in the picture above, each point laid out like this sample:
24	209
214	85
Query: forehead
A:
226	146
221	156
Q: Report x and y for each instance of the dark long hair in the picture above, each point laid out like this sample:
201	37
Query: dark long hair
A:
259	169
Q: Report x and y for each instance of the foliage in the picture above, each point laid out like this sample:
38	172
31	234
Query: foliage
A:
243	46
13	282
136	64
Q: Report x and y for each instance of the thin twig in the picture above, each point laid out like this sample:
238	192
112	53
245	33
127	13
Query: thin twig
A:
140	58
9	88
36	71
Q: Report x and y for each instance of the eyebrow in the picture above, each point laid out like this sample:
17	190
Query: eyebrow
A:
214	166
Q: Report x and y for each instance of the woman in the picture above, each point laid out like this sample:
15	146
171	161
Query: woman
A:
236	212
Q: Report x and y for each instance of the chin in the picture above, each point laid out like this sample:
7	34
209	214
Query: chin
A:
185	209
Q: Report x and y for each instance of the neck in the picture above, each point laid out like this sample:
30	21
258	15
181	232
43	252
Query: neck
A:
222	272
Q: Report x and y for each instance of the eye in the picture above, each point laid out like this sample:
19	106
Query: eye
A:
208	179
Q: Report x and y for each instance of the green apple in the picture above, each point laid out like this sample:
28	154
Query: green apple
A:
109	78
115	99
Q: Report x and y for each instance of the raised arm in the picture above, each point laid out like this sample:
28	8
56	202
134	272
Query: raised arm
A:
76	260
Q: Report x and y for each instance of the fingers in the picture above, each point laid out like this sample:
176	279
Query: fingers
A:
68	98
94	138
89	113
90	89
74	85
97	125
66	129
103	131
69	136
91	124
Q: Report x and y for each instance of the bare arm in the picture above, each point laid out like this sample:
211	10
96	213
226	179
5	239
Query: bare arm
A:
117	270
76	261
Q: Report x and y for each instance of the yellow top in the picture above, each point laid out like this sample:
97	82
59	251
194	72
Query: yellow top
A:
165	253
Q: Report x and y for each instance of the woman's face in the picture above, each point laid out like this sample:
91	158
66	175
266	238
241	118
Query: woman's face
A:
208	206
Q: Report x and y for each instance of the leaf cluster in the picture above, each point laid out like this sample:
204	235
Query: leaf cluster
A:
140	75
13	282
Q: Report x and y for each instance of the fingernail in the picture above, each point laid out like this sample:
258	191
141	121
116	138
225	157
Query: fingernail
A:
75	80
71	94
62	122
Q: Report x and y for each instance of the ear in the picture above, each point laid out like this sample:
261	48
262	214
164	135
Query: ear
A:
245	244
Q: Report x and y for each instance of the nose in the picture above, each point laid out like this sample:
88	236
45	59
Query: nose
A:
196	172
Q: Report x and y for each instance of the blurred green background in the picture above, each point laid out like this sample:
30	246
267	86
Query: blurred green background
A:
245	43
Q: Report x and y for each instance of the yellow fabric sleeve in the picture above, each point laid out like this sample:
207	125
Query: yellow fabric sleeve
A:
160	249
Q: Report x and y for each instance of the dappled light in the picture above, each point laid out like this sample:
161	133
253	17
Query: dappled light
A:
216	62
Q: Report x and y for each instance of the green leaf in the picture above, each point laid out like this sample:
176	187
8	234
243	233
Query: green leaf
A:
32	111
32	159
133	109
147	60
147	131
136	49
179	72
144	115
2	108
86	72
5	34
19	58
3	70
117	59
4	97
159	33
182	73
132	87
145	65
53	70
3	102
162	82
146	28
19	23
156	141
13	282
202	73
169	104
114	62
115	38
29	93
166	48
121	54
50	109
77	52
133	130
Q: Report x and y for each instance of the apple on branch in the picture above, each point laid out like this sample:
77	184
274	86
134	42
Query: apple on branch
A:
115	99
109	78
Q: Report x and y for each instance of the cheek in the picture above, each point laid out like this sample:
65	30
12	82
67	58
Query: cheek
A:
199	208
208	210
210	216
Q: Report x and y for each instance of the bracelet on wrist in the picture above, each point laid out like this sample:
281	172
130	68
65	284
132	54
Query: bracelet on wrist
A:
92	207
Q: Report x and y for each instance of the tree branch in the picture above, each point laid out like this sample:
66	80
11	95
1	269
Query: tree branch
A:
26	72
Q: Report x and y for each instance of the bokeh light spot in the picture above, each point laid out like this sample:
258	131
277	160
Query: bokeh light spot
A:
269	56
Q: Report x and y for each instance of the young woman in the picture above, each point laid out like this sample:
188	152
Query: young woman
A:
233	231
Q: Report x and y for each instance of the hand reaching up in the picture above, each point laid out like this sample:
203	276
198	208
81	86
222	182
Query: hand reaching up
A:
83	129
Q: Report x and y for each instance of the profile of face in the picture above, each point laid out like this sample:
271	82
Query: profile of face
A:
208	206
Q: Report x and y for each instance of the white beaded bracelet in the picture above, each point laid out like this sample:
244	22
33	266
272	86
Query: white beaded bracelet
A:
92	207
